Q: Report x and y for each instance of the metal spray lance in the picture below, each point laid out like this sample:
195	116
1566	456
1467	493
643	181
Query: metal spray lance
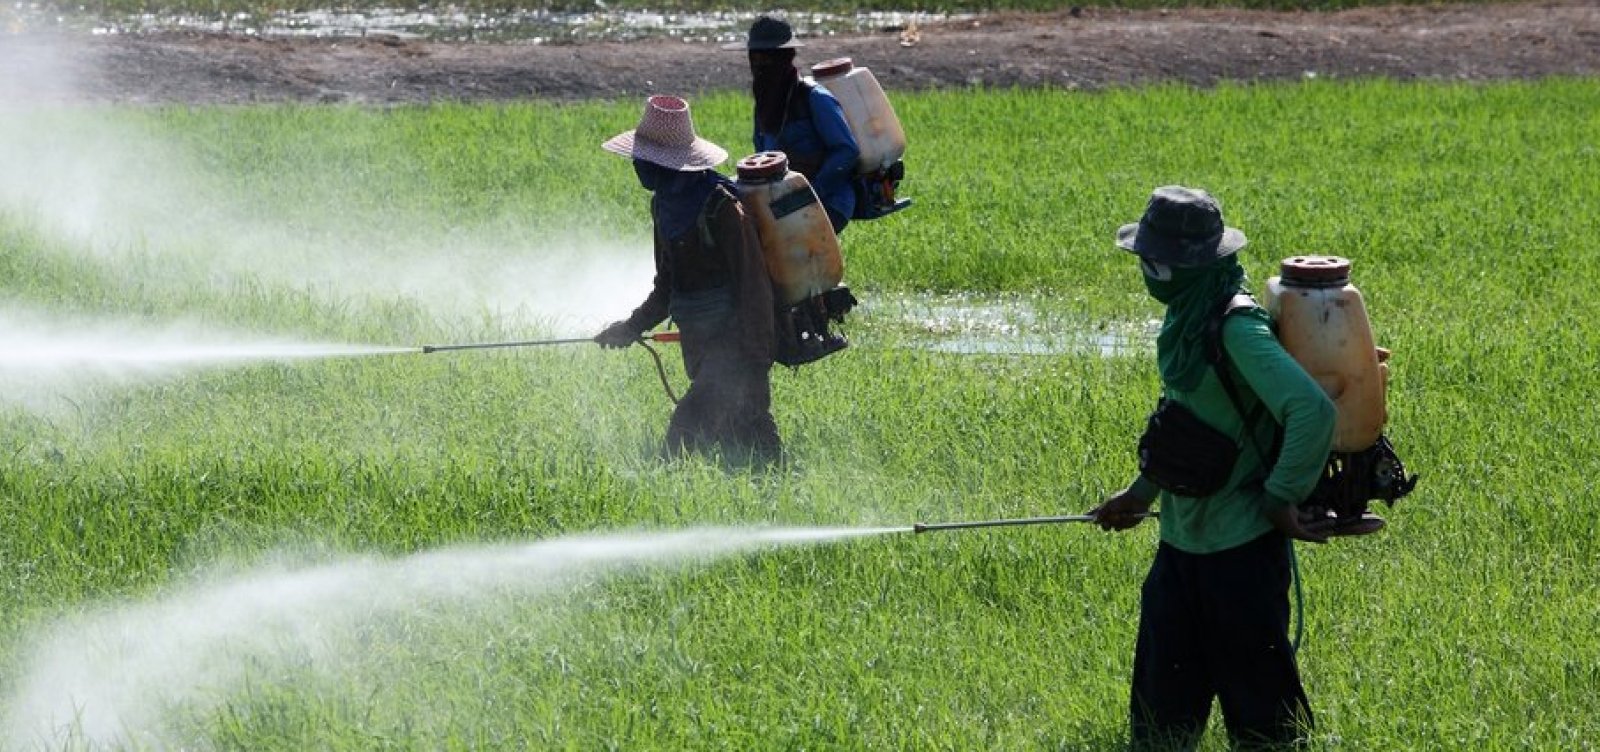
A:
655	337
926	527
645	340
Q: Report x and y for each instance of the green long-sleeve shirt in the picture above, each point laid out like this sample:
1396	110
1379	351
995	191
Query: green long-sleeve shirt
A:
1262	370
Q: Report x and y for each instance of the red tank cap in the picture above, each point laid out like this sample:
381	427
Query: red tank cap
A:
1315	271
830	68
766	165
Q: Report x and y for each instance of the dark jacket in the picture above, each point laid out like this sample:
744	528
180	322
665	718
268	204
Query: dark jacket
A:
713	281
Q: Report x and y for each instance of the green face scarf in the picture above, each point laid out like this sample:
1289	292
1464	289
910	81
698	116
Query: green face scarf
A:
1191	295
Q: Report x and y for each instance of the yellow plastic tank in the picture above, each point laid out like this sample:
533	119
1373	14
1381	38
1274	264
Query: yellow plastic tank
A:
799	244
1322	322
867	111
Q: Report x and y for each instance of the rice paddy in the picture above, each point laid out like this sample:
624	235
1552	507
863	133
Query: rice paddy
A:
1000	367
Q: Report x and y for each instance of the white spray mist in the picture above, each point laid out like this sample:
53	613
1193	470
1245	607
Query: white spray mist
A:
104	678
109	187
43	357
37	68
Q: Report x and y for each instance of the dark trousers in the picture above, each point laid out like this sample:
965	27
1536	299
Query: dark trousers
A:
728	404
1217	626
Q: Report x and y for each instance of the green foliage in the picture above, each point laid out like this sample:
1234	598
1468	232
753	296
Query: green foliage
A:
1467	624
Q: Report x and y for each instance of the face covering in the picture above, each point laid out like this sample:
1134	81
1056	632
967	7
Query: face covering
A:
680	197
772	77
1192	295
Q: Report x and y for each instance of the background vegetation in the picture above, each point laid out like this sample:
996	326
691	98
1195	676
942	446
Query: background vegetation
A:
1467	624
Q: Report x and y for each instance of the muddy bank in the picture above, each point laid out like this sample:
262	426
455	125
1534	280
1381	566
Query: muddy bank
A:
1086	50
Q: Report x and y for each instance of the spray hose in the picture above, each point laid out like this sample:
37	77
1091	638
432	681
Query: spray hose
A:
644	340
661	369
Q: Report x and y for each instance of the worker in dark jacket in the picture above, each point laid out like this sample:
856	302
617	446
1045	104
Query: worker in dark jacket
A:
711	279
1214	612
801	119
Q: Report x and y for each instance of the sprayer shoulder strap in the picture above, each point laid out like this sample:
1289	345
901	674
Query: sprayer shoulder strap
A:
714	203
799	107
1217	352
1213	333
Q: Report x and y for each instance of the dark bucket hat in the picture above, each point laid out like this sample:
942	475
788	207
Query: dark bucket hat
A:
767	33
1180	227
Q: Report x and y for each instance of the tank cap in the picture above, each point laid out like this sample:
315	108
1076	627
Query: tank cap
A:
830	68
766	165
1315	271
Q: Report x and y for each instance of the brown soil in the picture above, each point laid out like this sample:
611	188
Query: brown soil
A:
1088	49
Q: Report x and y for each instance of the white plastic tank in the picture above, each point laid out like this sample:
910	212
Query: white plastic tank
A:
798	242
867	111
1322	322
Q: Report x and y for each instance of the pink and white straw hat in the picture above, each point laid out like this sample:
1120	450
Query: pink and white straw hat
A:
665	136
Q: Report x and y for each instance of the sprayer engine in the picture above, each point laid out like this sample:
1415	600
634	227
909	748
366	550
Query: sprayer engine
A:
803	334
1349	481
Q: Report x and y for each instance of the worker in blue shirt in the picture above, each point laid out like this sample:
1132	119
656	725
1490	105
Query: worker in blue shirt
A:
801	119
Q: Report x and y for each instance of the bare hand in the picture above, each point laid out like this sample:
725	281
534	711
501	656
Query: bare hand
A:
1286	520
1120	512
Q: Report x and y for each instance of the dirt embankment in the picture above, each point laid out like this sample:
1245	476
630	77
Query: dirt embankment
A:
1086	49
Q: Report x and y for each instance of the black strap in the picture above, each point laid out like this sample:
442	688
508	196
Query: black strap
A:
719	195
795	201
1219	361
799	101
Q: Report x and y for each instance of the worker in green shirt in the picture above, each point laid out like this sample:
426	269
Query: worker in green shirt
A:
1214	609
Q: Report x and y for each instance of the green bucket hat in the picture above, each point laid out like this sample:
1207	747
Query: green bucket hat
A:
1181	227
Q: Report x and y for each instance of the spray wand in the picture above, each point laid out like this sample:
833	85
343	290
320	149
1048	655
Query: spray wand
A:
655	337
644	340
924	527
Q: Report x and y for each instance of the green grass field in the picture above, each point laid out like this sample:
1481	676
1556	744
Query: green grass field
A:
1467	624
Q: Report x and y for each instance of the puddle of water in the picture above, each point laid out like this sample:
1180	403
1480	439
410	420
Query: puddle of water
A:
453	23
1105	345
970	324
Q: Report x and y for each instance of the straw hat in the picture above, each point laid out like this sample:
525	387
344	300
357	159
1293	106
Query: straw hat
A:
665	136
1181	227
767	33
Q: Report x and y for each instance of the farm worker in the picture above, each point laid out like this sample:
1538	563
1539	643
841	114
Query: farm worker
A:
711	279
801	119
1214	610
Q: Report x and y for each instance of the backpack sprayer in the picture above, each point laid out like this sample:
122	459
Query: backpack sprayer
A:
879	136
644	340
1322	322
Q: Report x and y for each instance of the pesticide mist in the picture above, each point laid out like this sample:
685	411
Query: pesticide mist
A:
46	357
156	204
110	677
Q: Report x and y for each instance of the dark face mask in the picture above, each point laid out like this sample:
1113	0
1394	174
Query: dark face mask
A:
771	74
650	174
769	63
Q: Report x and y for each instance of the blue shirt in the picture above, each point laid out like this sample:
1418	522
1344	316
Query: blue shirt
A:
821	139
